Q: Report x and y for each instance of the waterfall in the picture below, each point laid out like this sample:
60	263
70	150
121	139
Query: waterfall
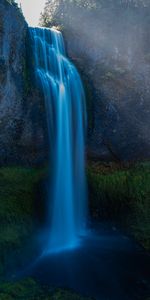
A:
66	117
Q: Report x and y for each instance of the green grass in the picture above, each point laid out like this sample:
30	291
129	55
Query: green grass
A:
17	207
17	191
122	194
28	289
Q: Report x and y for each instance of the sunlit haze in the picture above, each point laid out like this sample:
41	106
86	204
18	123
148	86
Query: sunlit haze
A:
31	10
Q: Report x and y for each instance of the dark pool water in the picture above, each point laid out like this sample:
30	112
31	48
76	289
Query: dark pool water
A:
106	266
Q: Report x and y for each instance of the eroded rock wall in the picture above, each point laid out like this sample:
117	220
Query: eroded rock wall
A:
22	133
111	50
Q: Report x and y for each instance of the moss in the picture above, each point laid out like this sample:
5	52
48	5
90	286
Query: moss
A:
66	295
5	297
122	195
29	289
17	193
17	208
25	289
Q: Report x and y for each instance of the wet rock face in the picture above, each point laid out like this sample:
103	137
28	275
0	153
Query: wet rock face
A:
112	55
121	109
22	137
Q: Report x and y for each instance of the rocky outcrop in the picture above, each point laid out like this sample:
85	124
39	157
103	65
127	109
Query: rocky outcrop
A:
22	134
110	47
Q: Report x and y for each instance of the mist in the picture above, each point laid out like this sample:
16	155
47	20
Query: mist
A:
109	42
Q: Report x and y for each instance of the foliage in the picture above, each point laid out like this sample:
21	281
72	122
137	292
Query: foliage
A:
17	208
122	194
16	193
28	289
25	289
61	12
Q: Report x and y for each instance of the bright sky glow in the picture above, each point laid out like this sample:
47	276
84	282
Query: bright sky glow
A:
31	10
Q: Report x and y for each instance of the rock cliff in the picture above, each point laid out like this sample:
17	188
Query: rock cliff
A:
112	56
22	134
109	43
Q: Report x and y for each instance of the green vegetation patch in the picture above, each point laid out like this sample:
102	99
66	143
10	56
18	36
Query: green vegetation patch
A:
17	207
122	194
28	289
17	192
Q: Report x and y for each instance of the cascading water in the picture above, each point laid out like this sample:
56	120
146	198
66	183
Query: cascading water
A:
66	117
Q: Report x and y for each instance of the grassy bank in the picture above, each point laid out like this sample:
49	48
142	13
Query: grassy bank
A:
122	194
17	210
28	289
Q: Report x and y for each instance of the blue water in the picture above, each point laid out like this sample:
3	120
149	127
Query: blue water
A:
108	265
66	117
